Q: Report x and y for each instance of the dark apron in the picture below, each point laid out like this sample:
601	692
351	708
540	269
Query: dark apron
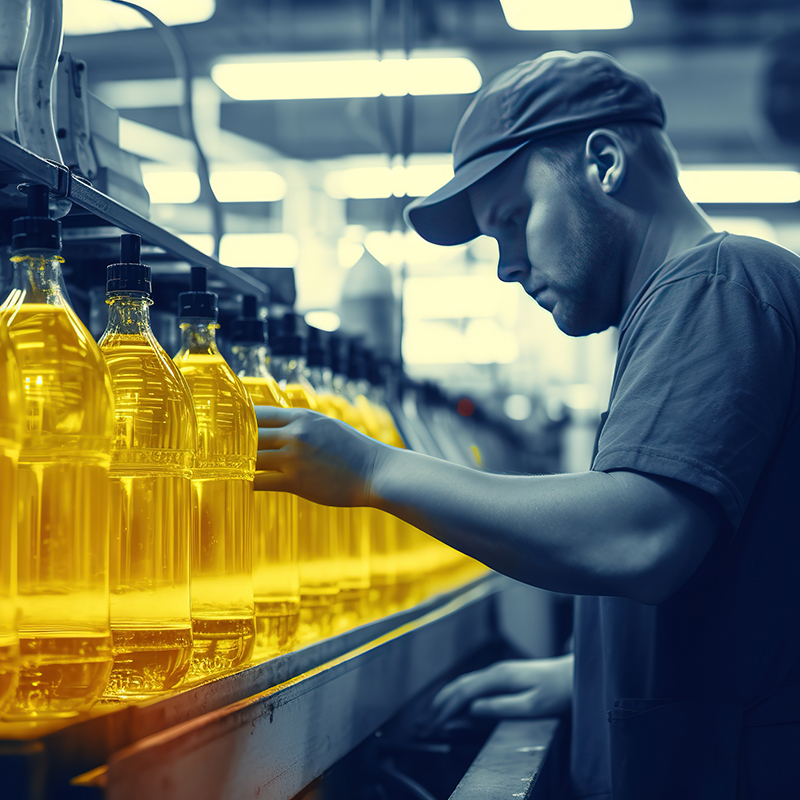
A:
706	750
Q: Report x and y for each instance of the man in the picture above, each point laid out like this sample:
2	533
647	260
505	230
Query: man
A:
681	542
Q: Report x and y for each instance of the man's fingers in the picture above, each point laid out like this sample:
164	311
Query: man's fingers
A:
272	438
272	417
507	706
460	692
269	481
270	460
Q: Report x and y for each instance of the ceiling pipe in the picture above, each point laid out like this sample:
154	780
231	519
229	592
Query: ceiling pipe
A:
34	86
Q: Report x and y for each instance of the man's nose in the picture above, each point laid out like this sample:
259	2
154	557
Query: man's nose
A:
513	270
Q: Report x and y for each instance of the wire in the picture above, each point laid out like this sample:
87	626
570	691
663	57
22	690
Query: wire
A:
183	72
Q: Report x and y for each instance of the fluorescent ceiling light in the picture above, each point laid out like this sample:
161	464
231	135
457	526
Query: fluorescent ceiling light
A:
83	17
567	15
374	183
326	75
242	184
141	93
741	184
453	297
395	247
259	250
324	320
170	185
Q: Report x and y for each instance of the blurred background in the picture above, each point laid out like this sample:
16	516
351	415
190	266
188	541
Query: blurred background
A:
308	125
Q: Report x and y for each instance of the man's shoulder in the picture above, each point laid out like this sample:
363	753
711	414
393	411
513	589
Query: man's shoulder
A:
766	271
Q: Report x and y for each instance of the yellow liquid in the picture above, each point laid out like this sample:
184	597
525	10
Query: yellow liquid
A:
223	622
65	640
276	576
149	517
318	549
354	533
11	413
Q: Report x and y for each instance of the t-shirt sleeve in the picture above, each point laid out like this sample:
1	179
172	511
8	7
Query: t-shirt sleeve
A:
702	389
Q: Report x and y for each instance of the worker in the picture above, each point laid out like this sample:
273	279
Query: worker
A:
681	542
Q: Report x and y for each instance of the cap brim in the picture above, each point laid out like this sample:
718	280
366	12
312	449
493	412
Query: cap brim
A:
445	217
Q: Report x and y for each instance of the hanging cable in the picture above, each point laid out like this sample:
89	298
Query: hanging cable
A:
183	72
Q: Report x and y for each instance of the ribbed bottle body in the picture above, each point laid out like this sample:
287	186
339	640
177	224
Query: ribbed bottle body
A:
11	416
318	529
223	624
150	508
63	498
276	575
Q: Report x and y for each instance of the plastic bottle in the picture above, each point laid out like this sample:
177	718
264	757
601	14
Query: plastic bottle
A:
354	533
317	526
223	625
150	502
65	641
276	575
382	526
11	416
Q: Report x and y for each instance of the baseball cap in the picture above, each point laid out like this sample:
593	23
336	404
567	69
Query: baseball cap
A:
555	93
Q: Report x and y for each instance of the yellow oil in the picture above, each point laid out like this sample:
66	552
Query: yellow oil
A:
150	507
11	415
65	641
353	561
318	544
276	575
223	623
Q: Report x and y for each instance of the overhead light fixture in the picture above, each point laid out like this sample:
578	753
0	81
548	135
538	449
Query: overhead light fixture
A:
170	185
242	184
392	248
204	242
259	250
83	17
375	183
567	15
324	320
740	184
353	74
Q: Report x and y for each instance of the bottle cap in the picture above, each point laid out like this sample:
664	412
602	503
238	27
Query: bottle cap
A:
198	302
130	275
36	232
287	335
319	351
339	353
249	328
356	365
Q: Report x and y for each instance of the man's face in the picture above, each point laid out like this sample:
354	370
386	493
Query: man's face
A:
557	239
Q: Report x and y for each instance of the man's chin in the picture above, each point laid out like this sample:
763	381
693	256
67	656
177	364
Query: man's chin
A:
575	327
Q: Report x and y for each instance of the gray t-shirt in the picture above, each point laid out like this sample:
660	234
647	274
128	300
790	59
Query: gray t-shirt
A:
706	391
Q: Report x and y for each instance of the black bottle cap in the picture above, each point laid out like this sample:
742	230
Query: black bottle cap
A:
339	353
198	302
319	351
287	335
248	328
130	275
355	367
36	232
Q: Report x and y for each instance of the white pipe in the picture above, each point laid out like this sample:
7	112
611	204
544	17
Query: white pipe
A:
35	73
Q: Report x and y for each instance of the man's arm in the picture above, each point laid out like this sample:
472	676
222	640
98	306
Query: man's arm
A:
619	533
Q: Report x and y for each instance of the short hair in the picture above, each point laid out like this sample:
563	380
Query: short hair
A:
565	150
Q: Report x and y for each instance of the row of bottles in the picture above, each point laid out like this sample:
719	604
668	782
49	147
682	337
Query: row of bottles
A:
145	557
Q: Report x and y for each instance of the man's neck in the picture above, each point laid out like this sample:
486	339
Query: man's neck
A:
671	230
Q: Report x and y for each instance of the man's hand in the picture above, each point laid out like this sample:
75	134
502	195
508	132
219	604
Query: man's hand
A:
314	456
533	688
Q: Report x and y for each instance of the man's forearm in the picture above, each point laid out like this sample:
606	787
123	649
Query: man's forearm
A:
584	533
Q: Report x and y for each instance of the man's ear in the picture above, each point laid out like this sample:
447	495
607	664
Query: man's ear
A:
607	159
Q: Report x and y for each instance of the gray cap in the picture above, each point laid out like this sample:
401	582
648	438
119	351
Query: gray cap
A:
552	94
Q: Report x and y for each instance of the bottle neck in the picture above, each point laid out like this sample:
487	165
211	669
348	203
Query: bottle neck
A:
129	314
199	336
291	369
38	279
321	378
250	360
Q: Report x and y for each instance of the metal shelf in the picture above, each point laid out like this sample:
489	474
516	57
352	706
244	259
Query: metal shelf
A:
63	183
277	724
